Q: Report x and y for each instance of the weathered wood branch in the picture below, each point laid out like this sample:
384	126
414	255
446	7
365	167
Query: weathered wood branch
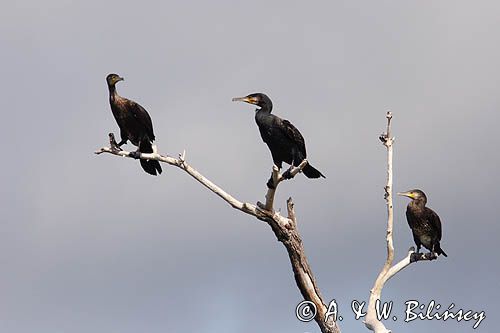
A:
277	178
284	228
372	322
410	258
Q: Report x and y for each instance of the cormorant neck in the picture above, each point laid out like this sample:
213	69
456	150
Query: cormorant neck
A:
112	91
418	203
265	108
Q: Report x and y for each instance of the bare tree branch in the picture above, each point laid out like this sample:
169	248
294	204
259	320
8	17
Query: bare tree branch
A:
372	321
411	257
277	178
285	228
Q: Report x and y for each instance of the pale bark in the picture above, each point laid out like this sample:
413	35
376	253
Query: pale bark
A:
388	271
285	228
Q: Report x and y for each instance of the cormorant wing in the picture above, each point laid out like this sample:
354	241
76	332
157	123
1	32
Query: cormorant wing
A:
142	116
292	133
409	218
434	221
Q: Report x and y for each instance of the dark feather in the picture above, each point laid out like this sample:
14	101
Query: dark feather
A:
284	140
426	227
135	126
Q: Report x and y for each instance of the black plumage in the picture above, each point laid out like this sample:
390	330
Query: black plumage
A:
135	124
424	222
283	139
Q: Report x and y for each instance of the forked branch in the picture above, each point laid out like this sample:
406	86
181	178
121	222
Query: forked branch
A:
285	228
372	322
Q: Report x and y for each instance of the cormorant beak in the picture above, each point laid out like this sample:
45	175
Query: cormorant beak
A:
245	99
120	79
406	194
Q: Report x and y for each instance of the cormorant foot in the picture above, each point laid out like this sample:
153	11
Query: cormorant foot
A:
112	143
116	148
287	174
135	154
270	183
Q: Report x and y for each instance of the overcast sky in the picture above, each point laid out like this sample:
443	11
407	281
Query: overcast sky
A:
93	244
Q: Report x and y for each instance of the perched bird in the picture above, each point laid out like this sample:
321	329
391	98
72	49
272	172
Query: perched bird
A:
424	222
284	140
135	124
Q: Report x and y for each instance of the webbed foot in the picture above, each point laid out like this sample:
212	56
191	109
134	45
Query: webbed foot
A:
135	154
287	174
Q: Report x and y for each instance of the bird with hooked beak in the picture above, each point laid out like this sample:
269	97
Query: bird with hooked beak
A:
424	223
135	125
283	139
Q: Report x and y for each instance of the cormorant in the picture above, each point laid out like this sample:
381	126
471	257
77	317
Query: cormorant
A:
424	222
284	140
135	124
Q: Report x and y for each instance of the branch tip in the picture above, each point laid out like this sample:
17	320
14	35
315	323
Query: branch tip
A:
282	227
372	322
182	156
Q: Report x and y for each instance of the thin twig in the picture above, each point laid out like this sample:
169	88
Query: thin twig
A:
387	272
285	228
277	178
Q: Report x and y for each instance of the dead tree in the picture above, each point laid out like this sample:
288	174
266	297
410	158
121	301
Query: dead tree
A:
372	322
285	228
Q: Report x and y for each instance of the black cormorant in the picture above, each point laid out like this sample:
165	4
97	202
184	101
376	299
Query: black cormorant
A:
284	140
135	124
424	222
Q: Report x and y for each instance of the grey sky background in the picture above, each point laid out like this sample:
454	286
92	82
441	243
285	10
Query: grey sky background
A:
93	244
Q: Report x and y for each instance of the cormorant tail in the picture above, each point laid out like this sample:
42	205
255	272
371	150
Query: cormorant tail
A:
439	250
150	166
311	172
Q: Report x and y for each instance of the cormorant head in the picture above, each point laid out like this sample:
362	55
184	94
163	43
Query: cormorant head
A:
416	195
113	78
259	99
